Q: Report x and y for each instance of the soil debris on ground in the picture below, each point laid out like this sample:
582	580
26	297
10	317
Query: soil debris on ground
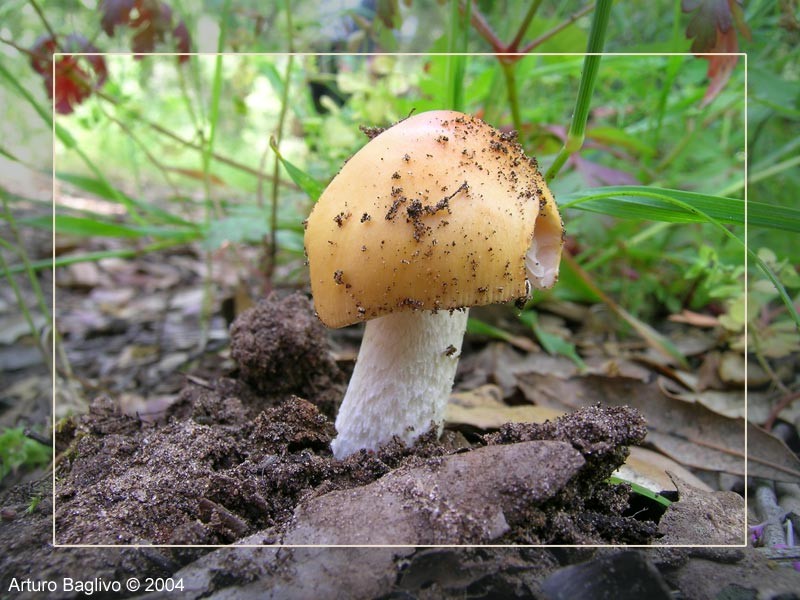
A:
250	452
245	459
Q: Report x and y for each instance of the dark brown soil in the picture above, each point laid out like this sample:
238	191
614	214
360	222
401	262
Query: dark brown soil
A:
237	457
246	459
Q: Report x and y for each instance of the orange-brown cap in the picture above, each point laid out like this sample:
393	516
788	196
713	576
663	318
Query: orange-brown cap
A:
437	212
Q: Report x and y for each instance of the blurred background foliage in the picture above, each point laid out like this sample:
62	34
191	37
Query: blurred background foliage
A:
153	152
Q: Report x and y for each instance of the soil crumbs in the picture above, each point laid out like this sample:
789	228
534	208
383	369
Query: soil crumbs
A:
246	459
239	456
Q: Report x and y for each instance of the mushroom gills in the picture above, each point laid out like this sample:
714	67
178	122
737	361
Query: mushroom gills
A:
544	254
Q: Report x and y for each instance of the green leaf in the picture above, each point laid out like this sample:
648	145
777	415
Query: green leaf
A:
710	209
619	137
247	224
642	491
240	226
17	449
88	227
103	189
304	181
678	206
93	186
551	343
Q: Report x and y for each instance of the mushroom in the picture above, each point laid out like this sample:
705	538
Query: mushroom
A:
435	214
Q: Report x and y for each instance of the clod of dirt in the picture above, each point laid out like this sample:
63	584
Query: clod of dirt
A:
28	552
469	498
587	510
601	434
238	456
189	481
281	349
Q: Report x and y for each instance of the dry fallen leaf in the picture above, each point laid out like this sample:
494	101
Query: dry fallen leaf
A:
483	408
696	319
688	432
649	469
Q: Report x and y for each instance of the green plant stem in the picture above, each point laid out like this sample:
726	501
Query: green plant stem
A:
591	64
640	237
761	175
29	271
458	39
23	306
212	207
187	100
673	66
273	221
509	72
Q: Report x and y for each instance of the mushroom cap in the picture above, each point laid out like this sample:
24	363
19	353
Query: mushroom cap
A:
437	212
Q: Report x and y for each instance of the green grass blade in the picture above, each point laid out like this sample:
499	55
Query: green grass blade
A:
718	210
678	206
91	227
71	259
642	491
102	188
304	181
551	343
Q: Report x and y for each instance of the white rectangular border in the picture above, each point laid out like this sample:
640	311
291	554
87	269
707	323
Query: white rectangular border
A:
745	531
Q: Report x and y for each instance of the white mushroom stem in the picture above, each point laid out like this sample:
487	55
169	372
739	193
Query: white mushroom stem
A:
402	379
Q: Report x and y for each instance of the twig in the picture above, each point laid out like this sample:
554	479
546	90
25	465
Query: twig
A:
770	513
558	28
776	410
150	156
514	45
273	221
482	26
46	24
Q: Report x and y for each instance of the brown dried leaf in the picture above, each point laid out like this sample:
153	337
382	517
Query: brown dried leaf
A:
483	408
693	318
687	432
498	363
712	28
649	469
